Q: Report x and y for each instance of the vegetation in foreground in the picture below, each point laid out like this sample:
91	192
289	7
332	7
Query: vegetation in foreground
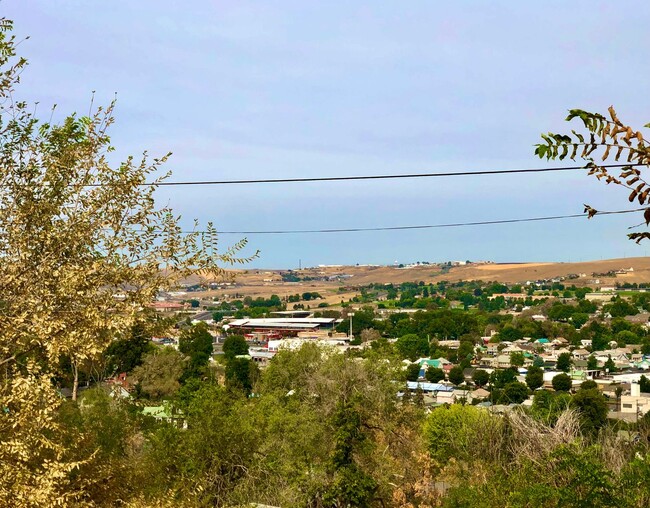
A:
84	249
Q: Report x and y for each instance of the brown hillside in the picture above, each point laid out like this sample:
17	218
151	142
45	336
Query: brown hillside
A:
267	282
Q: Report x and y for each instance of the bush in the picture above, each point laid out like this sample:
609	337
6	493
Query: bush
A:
461	432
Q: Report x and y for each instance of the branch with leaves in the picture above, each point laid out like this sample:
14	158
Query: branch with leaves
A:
605	138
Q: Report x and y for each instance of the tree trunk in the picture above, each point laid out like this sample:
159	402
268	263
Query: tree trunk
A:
75	382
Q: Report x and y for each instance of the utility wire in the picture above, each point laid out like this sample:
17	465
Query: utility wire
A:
427	226
380	177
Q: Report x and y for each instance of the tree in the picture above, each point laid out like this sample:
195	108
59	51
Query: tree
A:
592	407
160	372
644	384
607	137
588	385
234	345
592	363
412	346
538	362
562	383
534	377
456	375
123	355
517	359
413	372
548	406
84	247
515	392
196	342
564	362
511	334
465	350
610	366
480	377
579	318
89	240
454	432
434	375
370	335
241	374
501	377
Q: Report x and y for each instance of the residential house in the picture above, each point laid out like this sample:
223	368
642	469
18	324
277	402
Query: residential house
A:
580	354
167	413
636	403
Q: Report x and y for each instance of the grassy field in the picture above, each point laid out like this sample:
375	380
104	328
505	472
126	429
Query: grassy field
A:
265	283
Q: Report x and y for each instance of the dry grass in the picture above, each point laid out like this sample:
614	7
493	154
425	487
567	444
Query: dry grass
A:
256	282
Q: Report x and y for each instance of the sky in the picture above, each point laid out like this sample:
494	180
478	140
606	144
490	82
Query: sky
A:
290	89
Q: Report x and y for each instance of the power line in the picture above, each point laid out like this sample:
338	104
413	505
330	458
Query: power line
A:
426	226
382	177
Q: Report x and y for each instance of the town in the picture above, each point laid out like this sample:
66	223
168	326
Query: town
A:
457	339
324	254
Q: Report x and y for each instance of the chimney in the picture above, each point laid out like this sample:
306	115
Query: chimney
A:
635	389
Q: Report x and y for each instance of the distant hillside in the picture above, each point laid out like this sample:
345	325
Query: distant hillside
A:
328	280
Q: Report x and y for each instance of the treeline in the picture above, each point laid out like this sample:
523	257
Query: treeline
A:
324	429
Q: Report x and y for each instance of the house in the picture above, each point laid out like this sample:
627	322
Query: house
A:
636	403
493	348
166	413
479	393
169	306
499	362
436	363
203	317
580	354
451	344
429	388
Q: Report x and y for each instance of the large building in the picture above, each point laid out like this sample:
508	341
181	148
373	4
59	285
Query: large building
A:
280	326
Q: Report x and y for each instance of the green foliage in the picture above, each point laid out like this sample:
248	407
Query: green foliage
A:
412	346
564	362
196	343
562	383
434	375
592	407
535	377
234	345
501	377
547	406
124	355
241	374
568	476
456	375
610	366
456	432
588	385
351	486
579	318
413	372
620	308
517	359
515	393
480	377
644	384
159	375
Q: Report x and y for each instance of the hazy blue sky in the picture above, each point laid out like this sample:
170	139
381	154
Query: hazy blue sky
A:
270	89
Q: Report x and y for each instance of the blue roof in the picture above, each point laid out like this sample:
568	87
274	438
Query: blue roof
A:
429	387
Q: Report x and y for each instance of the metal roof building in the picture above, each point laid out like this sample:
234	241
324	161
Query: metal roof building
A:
285	326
